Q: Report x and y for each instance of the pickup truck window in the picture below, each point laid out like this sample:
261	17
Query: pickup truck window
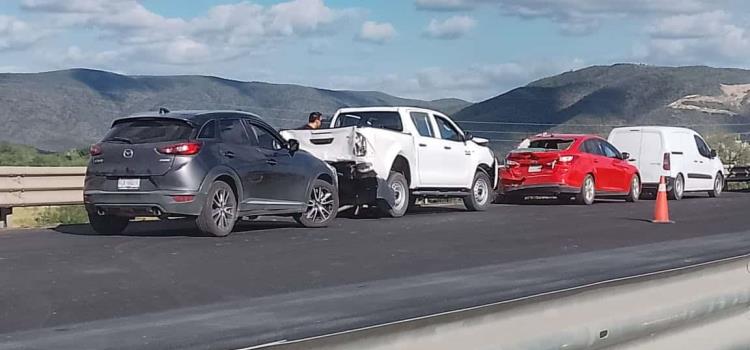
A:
380	120
447	131
422	122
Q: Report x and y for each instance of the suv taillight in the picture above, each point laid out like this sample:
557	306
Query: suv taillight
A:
181	149
667	163
95	150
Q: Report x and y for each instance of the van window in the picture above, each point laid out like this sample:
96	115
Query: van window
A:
551	144
703	148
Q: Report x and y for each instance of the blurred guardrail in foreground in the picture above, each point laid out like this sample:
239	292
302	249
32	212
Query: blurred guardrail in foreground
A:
38	186
702	307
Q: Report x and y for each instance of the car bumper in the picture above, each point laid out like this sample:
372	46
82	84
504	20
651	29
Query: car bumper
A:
654	186
361	186
537	190
154	203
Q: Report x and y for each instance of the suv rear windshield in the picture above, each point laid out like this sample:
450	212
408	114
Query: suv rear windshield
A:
550	144
380	120
149	131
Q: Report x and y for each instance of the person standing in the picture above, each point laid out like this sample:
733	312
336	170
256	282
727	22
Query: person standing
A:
314	121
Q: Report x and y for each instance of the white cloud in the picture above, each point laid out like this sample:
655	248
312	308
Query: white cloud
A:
16	34
704	38
451	28
378	33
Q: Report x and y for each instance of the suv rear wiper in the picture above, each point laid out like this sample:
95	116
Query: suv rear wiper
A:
120	139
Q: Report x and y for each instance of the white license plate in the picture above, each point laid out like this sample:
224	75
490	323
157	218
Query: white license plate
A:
128	184
535	168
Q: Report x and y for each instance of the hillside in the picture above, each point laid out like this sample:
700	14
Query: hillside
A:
73	108
622	94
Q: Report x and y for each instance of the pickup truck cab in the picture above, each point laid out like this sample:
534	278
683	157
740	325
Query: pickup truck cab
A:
389	156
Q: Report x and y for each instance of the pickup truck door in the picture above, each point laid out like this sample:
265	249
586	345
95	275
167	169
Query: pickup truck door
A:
454	157
429	150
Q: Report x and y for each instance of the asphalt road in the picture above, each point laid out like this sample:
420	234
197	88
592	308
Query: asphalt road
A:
159	286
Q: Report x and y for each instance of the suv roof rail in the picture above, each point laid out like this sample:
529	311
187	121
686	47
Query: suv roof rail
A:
163	110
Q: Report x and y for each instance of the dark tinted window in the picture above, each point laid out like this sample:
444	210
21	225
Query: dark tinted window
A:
422	122
592	147
380	120
149	131
261	137
447	131
208	131
551	144
231	131
609	150
703	148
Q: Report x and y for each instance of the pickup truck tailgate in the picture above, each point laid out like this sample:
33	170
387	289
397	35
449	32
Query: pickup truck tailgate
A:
331	145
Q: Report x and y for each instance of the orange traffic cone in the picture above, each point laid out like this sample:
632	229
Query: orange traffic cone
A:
661	213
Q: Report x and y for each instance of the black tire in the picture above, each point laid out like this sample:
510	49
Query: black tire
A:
219	213
678	188
481	193
635	189
718	186
108	224
587	194
397	182
322	205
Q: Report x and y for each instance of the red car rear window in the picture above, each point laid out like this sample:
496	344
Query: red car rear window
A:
551	144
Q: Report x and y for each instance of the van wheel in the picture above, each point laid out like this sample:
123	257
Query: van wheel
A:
588	191
219	212
678	188
635	189
481	193
718	186
400	187
322	205
108	224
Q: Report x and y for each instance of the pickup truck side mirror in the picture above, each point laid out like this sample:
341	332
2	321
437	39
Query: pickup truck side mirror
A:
292	145
714	154
468	136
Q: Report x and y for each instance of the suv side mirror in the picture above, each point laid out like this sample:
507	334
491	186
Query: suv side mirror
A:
624	155
714	154
468	136
292	145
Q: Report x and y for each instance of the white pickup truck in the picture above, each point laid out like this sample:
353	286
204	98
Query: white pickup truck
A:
389	156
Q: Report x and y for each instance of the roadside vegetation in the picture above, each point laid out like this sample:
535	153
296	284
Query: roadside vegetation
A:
17	155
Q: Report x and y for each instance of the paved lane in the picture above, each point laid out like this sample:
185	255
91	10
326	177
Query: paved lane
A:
158	286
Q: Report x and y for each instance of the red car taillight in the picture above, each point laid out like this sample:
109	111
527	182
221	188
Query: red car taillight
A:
181	149
667	164
511	163
95	150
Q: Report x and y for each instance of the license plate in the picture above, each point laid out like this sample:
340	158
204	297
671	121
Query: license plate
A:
128	184
535	168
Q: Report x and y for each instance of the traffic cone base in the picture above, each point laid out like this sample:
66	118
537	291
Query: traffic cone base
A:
661	212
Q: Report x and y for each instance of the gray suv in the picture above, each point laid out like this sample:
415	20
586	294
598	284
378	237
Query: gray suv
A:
215	166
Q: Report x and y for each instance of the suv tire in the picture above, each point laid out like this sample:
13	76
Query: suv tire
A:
108	224
322	205
480	196
219	212
398	184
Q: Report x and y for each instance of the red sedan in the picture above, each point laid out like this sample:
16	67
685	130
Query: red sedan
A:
578	167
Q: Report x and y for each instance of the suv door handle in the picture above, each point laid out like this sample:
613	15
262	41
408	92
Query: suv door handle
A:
271	161
447	147
422	145
228	154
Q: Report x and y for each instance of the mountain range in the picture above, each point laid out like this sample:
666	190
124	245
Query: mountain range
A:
72	108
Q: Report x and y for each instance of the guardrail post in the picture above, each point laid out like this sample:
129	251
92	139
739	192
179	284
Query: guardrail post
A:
6	215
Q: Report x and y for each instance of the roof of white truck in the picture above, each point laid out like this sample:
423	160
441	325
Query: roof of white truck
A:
653	128
382	109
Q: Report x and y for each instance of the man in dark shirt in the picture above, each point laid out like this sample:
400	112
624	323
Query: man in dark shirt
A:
313	122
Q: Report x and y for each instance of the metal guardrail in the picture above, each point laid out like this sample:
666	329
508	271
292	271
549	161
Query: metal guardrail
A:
38	186
702	307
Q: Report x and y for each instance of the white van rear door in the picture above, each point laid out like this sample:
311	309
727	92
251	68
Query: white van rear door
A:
627	140
651	156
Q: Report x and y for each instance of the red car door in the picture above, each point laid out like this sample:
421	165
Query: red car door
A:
616	170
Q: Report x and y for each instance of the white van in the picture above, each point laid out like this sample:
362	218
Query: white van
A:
679	154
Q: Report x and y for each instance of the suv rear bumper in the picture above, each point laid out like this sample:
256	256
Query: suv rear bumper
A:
154	203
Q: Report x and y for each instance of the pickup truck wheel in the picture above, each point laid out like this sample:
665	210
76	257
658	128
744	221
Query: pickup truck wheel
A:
322	206
481	193
400	187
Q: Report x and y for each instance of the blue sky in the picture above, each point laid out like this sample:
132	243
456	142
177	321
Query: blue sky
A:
471	49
